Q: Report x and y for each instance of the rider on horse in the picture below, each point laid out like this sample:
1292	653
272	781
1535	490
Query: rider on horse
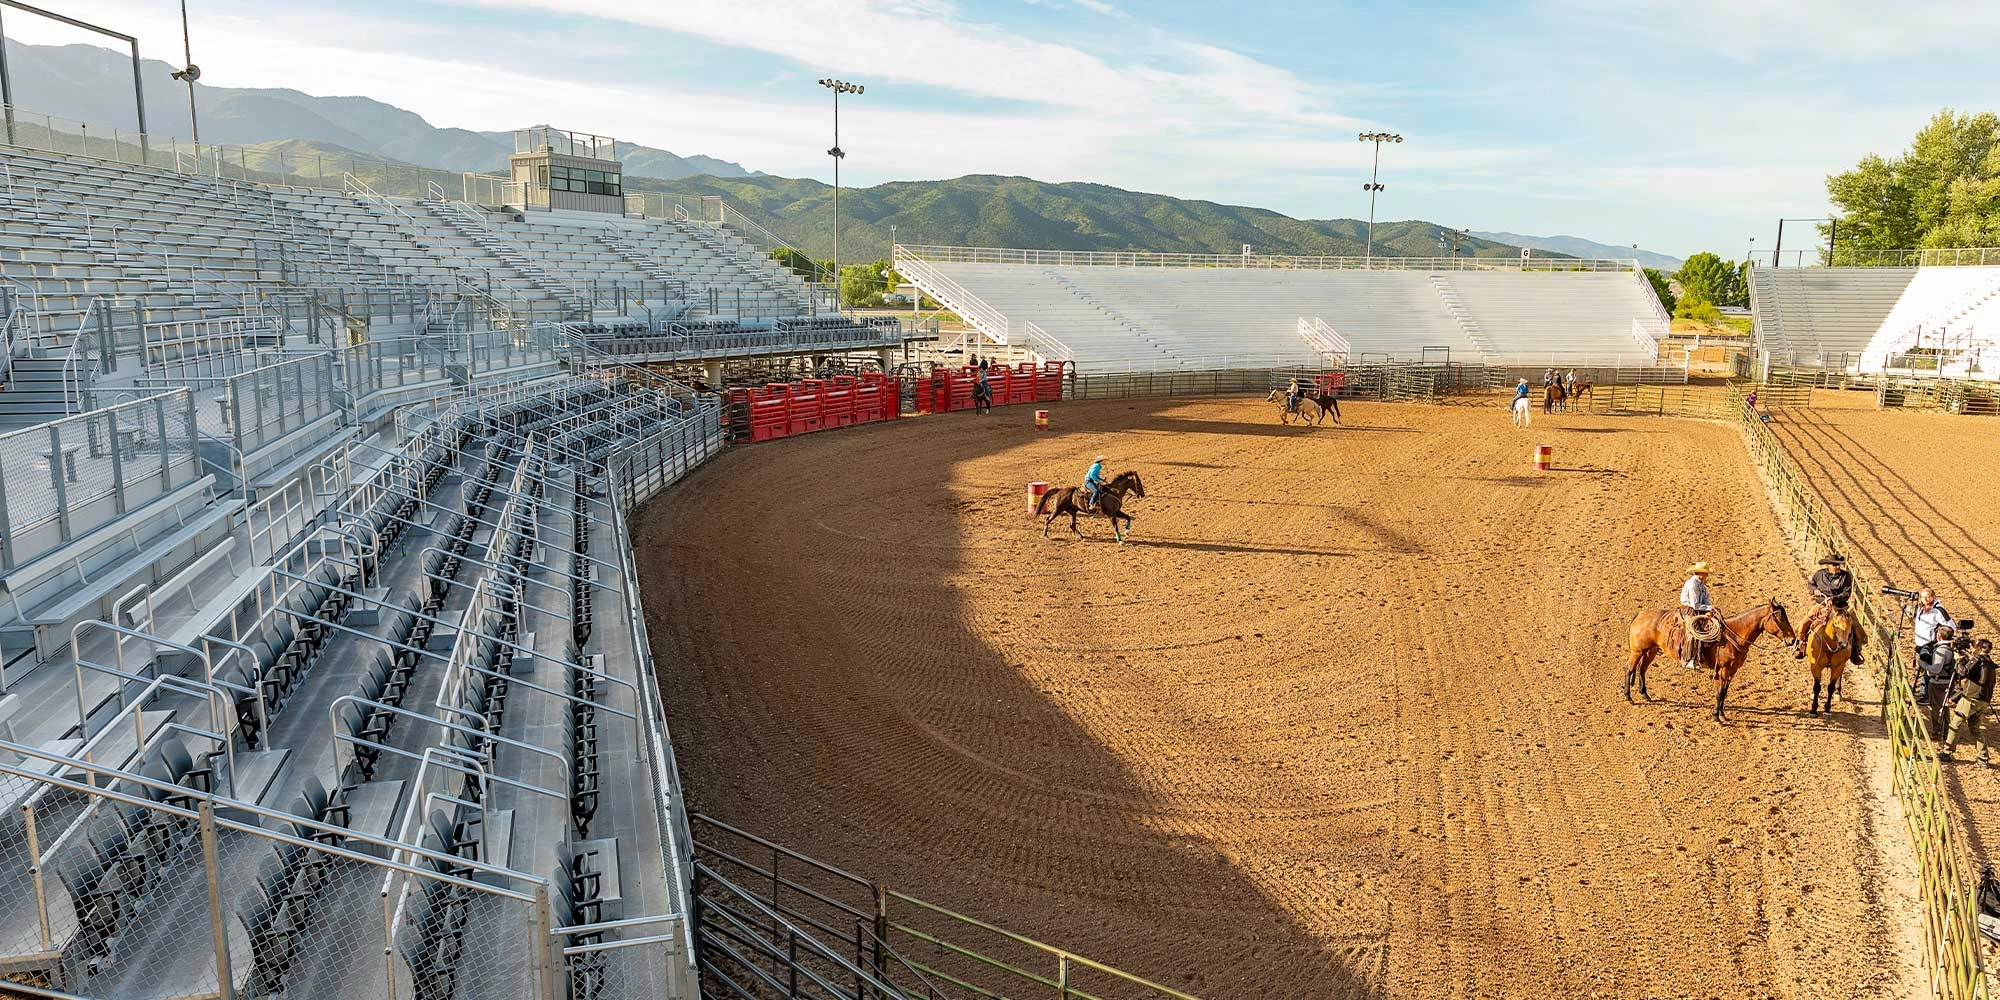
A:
1831	587
1521	390
1093	483
1695	605
1293	394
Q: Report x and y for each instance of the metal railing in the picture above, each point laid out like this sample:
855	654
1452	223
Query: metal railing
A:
1858	257
890	944
1324	338
952	295
1044	345
60	479
1142	258
1951	944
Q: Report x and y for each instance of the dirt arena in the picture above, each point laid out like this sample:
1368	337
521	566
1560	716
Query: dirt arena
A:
1919	493
1343	720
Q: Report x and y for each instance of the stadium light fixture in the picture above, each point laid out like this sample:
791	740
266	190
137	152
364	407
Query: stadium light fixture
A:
189	75
1374	185
838	87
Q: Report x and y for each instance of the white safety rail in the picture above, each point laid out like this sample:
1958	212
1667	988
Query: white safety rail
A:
953	296
1126	258
1325	338
1946	320
1044	345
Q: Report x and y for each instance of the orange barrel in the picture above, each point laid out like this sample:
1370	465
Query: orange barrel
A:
1041	420
1544	454
1035	491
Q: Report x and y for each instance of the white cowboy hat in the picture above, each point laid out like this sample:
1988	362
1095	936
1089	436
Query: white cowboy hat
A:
1699	569
1099	458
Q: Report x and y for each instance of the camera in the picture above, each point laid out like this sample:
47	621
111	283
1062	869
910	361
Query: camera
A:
1898	592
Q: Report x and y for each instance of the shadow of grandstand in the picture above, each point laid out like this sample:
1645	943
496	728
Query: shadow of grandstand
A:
837	694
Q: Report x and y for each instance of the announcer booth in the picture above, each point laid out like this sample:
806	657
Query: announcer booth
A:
555	170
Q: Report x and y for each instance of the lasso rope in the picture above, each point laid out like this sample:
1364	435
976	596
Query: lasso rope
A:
1705	628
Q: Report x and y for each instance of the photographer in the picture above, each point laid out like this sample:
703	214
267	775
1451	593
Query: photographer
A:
1931	632
1971	694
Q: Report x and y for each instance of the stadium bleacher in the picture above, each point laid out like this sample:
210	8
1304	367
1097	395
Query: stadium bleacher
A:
322	668
1822	317
1951	313
1116	317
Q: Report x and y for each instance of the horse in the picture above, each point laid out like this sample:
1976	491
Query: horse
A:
1522	411
1656	632
1110	503
1328	403
1583	387
982	397
1552	397
1828	648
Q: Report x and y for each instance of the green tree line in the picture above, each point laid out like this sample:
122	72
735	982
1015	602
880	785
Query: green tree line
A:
1943	191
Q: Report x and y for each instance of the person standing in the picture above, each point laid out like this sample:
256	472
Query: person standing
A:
1972	695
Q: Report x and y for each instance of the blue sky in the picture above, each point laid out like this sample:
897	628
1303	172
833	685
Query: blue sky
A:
1677	126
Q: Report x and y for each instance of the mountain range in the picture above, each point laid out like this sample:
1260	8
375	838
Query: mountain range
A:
1577	246
91	84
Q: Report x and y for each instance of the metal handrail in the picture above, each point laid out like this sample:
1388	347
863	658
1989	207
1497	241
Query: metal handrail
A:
1147	258
956	297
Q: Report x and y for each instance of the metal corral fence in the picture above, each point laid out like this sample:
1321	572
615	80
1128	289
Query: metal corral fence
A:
775	922
1951	934
1947	394
1387	380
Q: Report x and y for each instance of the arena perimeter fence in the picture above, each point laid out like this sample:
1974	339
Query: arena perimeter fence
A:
1410	381
775	922
1951	933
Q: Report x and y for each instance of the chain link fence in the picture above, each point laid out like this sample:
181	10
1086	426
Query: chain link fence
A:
61	479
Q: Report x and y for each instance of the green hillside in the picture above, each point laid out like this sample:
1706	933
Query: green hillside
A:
975	210
988	210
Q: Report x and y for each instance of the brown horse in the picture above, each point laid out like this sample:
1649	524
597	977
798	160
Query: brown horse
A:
1583	387
1552	397
1828	649
1110	503
1656	632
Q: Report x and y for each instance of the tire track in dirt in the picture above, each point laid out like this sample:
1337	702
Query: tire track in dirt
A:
1343	720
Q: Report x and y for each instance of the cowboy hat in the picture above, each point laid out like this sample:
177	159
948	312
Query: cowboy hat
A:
1832	559
1099	458
1699	569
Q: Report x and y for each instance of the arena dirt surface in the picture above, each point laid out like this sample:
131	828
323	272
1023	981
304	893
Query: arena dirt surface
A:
1919	495
1343	719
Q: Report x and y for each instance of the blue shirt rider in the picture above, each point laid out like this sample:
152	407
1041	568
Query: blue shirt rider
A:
1521	390
1093	482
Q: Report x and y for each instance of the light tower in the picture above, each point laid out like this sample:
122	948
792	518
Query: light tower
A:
1374	187
838	87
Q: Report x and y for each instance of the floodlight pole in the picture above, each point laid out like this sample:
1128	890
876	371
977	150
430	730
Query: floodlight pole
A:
1374	186
838	87
189	74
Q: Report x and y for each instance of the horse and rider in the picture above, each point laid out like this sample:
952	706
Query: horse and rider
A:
1701	636
1095	496
1296	395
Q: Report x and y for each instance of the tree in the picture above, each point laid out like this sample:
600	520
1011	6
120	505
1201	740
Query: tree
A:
866	284
1706	277
1699	310
802	265
1944	191
1661	289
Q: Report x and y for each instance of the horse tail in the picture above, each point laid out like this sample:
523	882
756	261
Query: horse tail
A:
1043	503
